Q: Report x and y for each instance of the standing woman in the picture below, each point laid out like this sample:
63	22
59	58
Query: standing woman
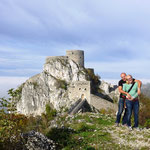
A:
132	103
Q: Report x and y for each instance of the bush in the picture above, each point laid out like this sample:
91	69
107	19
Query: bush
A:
9	105
144	115
95	81
11	126
50	113
62	136
62	84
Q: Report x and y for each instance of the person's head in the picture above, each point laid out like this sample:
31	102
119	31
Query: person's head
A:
123	76
129	79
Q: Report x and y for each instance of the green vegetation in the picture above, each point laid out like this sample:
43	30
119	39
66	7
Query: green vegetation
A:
95	81
35	84
144	116
87	131
13	124
9	105
50	113
62	84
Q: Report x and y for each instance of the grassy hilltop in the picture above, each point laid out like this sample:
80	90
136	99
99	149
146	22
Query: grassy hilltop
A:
85	131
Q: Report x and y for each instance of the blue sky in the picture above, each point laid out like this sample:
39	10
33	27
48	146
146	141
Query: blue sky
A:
114	34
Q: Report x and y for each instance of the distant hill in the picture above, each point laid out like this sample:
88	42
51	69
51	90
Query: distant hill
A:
146	89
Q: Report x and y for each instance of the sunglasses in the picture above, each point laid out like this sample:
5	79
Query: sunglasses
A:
129	79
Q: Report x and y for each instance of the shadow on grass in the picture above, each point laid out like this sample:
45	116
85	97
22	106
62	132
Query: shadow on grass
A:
62	136
66	138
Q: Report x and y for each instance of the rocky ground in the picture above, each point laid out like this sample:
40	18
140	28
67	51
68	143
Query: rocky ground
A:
96	131
134	139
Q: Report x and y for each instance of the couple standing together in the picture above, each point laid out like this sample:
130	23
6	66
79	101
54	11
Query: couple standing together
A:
129	89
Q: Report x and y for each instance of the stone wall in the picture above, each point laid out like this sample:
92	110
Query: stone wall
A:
77	56
79	89
49	58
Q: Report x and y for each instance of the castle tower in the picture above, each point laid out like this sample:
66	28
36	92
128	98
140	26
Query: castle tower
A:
77	56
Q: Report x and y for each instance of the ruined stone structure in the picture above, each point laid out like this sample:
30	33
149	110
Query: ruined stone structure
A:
62	82
80	89
77	56
77	89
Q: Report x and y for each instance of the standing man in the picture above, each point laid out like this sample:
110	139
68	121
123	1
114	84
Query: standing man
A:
121	104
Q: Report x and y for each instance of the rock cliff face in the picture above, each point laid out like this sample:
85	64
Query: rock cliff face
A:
50	86
54	86
110	90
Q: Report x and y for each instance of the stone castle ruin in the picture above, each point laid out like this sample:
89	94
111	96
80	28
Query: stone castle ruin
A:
76	55
77	88
80	89
63	81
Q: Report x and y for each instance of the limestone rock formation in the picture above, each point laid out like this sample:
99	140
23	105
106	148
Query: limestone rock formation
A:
110	90
62	82
50	86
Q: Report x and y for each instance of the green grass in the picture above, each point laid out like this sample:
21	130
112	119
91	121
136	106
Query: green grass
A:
85	132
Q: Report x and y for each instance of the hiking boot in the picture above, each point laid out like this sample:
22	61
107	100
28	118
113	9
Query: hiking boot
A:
130	128
137	129
124	125
117	124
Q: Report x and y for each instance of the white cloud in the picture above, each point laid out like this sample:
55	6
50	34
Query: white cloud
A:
113	34
20	72
138	68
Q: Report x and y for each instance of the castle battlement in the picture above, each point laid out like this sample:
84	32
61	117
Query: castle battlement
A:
49	58
77	56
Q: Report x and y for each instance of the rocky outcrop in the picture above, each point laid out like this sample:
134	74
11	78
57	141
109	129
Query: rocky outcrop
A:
50	86
109	90
37	141
101	103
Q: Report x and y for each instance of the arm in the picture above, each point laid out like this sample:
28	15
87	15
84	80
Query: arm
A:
139	83
123	92
139	86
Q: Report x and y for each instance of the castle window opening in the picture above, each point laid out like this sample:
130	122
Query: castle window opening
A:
79	88
85	89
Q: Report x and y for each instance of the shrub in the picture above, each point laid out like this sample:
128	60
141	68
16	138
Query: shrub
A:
50	113
95	81
62	136
144	115
62	84
11	126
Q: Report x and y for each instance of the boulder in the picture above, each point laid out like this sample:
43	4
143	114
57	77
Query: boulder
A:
37	141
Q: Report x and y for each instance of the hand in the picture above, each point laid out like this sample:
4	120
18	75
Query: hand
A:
130	99
128	95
